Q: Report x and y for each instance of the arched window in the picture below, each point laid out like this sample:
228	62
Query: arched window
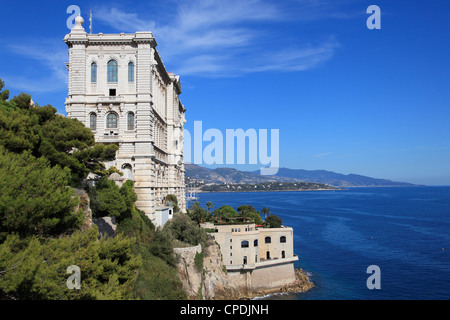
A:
131	72
93	121
267	240
283	239
93	72
283	254
244	244
255	242
130	121
111	121
127	166
112	71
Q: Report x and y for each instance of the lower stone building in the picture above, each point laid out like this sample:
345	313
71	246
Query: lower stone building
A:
264	255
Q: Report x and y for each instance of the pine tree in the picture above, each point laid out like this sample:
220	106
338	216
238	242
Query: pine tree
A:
34	197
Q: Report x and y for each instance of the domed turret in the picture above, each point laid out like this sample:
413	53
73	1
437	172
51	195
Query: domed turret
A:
79	21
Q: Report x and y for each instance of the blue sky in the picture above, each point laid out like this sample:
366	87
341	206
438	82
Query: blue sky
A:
344	98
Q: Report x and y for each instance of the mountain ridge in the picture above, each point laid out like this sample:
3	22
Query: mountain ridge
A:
226	175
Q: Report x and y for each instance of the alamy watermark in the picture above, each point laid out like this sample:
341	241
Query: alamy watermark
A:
374	21
76	11
236	146
74	281
374	280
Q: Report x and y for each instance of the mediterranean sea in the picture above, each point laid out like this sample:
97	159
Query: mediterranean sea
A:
405	231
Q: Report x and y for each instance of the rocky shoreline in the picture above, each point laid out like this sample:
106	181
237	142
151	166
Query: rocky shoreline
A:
213	282
302	284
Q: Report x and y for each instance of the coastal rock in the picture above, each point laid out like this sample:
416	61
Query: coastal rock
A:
213	282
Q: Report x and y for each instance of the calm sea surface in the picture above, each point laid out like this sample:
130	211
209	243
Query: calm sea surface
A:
338	234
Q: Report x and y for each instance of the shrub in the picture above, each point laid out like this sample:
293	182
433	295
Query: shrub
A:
274	221
182	228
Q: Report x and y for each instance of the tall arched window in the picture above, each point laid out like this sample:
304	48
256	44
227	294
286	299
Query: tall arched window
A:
111	121
131	72
112	71
93	72
130	121
93	121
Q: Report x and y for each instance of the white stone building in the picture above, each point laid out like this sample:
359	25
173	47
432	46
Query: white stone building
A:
264	255
120	89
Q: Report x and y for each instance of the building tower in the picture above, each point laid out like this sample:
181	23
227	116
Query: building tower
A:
120	89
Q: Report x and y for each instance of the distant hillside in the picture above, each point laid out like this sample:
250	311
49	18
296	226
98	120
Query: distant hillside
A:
229	176
336	179
266	186
234	176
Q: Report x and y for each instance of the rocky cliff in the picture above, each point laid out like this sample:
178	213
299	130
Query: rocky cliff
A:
212	282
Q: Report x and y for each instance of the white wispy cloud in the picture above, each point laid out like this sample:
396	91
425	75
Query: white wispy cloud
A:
209	38
321	155
216	38
45	55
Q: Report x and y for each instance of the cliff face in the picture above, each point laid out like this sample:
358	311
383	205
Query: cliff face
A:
209	283
213	282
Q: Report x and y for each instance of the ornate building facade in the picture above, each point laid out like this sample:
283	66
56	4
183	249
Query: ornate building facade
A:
120	89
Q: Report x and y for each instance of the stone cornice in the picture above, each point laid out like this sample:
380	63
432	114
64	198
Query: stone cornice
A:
80	36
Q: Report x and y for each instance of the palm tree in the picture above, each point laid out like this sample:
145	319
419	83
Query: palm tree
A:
209	205
266	211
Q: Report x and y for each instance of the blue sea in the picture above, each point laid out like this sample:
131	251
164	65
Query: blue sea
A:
405	231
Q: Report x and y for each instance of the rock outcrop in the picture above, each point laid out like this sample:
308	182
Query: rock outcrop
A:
213	282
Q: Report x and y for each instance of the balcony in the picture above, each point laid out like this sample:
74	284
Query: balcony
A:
110	99
110	136
262	263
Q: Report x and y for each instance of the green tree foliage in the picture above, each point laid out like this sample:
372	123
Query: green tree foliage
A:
137	226
161	246
110	201
37	270
40	130
107	199
21	101
156	279
209	206
34	197
183	229
265	211
41	153
274	221
225	212
4	95
172	200
198	214
129	196
250	213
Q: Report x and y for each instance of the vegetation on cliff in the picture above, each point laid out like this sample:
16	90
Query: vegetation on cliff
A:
226	214
43	227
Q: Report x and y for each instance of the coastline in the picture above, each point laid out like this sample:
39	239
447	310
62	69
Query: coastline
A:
301	285
321	189
301	190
